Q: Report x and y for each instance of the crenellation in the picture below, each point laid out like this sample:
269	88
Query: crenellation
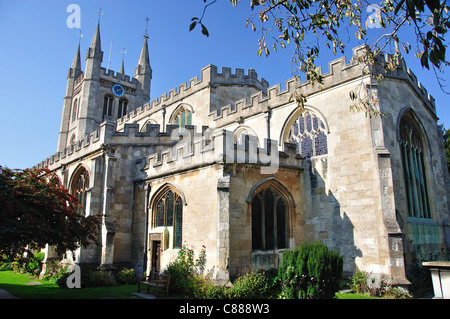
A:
118	76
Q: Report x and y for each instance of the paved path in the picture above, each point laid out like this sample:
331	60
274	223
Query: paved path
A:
6	295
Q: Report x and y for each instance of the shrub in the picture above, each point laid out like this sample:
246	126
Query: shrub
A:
186	274
310	272
359	283
253	285
35	263
126	276
376	286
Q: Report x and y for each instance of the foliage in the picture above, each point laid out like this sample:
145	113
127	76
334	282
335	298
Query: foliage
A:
306	24
366	284
359	283
256	284
89	278
310	272
186	274
35	210
126	276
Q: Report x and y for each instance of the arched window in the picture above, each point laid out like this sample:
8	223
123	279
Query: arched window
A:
80	186
74	110
182	117
269	220
123	104
411	146
168	212
108	105
308	133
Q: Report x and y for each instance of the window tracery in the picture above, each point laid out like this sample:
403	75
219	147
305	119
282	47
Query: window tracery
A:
308	133
169	213
414	169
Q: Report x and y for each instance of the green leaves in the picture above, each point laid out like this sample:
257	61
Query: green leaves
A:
194	23
36	210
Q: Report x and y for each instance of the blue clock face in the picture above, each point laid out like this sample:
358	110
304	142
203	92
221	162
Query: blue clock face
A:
118	90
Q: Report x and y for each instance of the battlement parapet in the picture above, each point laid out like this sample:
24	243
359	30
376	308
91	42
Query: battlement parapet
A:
87	145
209	77
112	75
218	147
339	71
107	135
403	72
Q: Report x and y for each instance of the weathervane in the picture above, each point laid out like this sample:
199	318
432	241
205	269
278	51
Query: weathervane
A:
79	37
124	51
100	15
146	27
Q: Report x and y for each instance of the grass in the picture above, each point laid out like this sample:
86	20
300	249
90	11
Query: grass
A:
16	284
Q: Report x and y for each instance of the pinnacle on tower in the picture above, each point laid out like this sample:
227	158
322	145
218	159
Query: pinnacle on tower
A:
95	50
143	67
122	68
75	69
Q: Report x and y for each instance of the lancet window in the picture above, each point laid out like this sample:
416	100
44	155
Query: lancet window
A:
169	212
411	146
269	220
182	118
80	186
123	105
108	105
74	110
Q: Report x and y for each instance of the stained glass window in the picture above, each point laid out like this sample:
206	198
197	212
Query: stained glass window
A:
307	132
414	169
169	212
80	187
182	118
268	220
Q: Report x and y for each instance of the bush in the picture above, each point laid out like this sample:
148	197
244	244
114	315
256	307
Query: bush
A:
126	276
187	275
310	272
89	278
376	286
256	284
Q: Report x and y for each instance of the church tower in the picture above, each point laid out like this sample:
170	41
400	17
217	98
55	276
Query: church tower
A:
97	95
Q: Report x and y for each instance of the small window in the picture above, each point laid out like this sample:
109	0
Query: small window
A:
123	104
108	105
74	110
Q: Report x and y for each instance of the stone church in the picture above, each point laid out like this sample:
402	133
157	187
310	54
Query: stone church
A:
227	162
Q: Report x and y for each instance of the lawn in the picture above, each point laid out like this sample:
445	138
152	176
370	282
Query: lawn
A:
19	286
16	284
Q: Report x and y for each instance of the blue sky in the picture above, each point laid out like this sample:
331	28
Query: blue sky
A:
37	49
